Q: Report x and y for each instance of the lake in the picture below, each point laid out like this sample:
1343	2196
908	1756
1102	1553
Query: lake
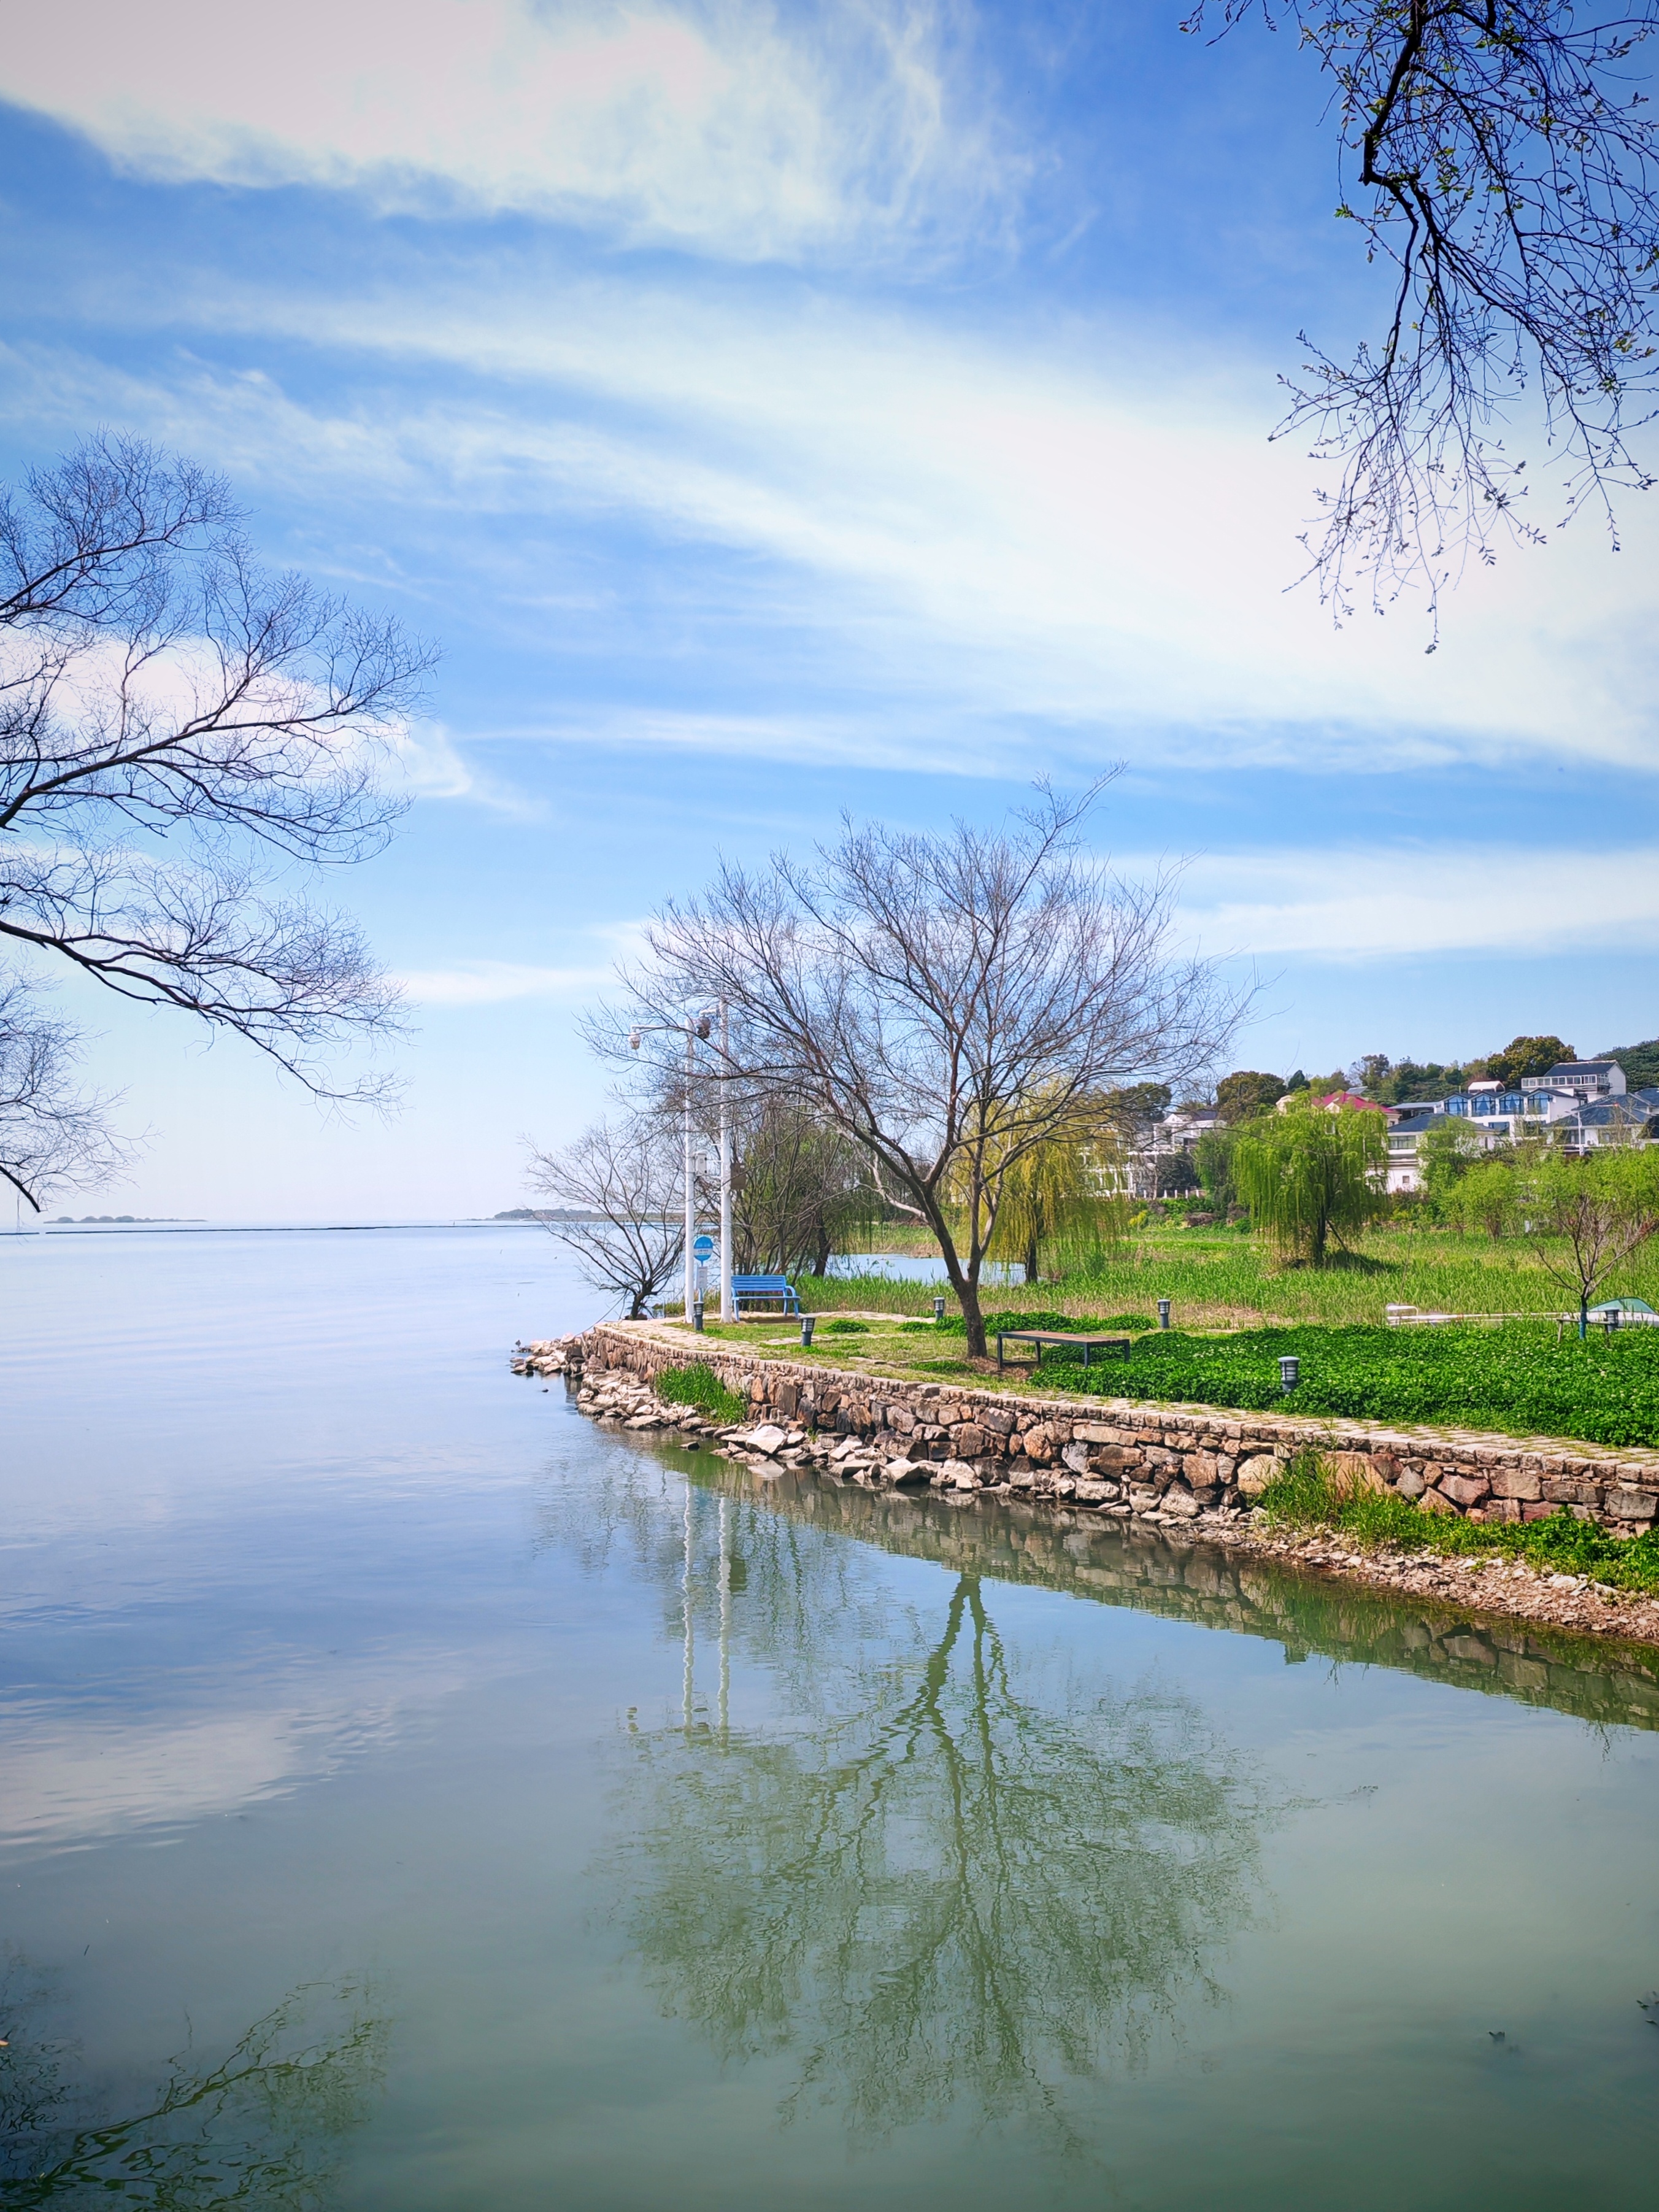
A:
412	1796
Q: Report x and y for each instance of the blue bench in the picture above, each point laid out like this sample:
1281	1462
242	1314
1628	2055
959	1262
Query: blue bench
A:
760	1290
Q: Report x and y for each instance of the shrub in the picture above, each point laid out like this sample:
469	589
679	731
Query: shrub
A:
841	1327
1082	1324
701	1387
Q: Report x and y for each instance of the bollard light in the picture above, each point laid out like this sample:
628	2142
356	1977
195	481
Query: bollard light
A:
696	1315
1289	1372
807	1321
938	1308
1164	1313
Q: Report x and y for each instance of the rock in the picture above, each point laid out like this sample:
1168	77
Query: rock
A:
1464	1490
1349	1472
1632	1504
1255	1475
1076	1456
905	1474
768	1439
957	1474
1410	1485
1179	1500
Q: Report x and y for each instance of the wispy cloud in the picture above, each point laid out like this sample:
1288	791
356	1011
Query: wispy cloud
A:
721	127
987	536
1385	903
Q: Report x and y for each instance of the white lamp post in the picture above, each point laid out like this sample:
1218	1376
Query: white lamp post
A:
698	1026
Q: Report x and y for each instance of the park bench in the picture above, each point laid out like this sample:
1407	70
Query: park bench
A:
762	1289
1076	1341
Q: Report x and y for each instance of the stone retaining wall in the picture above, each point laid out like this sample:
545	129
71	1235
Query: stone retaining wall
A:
1121	1454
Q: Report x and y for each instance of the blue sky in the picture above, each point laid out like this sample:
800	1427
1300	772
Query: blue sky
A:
776	411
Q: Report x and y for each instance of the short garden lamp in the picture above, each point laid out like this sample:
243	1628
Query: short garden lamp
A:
1164	1313
938	1308
1289	1372
696	1315
807	1321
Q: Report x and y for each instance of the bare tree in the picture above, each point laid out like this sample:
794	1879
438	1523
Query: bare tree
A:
1500	162
624	1183
178	729
51	1131
949	1003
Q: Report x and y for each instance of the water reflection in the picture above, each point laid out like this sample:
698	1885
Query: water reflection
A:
948	1874
265	2125
1593	1678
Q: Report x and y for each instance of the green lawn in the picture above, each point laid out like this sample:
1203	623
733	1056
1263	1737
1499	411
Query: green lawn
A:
1225	1280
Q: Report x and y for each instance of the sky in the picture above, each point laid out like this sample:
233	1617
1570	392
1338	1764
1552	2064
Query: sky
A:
772	412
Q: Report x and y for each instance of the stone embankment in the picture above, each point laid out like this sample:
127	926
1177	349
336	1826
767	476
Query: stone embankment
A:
1116	1454
1190	1470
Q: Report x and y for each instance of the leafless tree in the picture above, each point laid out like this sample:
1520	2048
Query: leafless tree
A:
51	1130
1500	162
624	1181
178	731
948	1003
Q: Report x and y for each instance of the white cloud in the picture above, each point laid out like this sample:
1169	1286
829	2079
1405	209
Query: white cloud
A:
1389	903
490	982
707	126
990	539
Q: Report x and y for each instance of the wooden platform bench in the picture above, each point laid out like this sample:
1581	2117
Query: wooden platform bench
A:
1073	1339
764	1290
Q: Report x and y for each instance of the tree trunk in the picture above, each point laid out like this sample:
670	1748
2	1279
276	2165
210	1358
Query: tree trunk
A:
973	1319
1031	1261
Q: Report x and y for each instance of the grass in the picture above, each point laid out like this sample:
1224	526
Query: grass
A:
698	1385
1218	1279
1305	1497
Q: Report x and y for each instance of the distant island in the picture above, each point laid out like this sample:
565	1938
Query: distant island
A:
131	1220
542	1214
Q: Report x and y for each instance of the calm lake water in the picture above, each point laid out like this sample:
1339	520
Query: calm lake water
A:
412	1797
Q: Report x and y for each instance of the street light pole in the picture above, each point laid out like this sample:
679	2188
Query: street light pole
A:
690	1196
726	1313
695	1026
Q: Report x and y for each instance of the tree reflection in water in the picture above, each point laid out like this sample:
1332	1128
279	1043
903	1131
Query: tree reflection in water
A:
953	1885
263	2127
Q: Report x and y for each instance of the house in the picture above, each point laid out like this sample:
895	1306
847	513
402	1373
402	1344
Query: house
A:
1584	1079
1578	1119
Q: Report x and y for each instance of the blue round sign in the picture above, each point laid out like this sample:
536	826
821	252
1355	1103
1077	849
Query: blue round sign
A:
703	1248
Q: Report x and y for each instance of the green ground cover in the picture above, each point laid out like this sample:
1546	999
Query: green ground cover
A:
1519	1379
1303	1497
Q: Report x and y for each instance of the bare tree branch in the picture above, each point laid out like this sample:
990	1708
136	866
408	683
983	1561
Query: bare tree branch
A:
1501	159
178	729
51	1131
626	1180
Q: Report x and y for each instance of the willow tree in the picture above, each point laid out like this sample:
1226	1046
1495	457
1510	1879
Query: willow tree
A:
1312	1171
1062	1196
951	1004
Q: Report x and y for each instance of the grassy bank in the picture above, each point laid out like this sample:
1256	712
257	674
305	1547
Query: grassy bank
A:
1306	1497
